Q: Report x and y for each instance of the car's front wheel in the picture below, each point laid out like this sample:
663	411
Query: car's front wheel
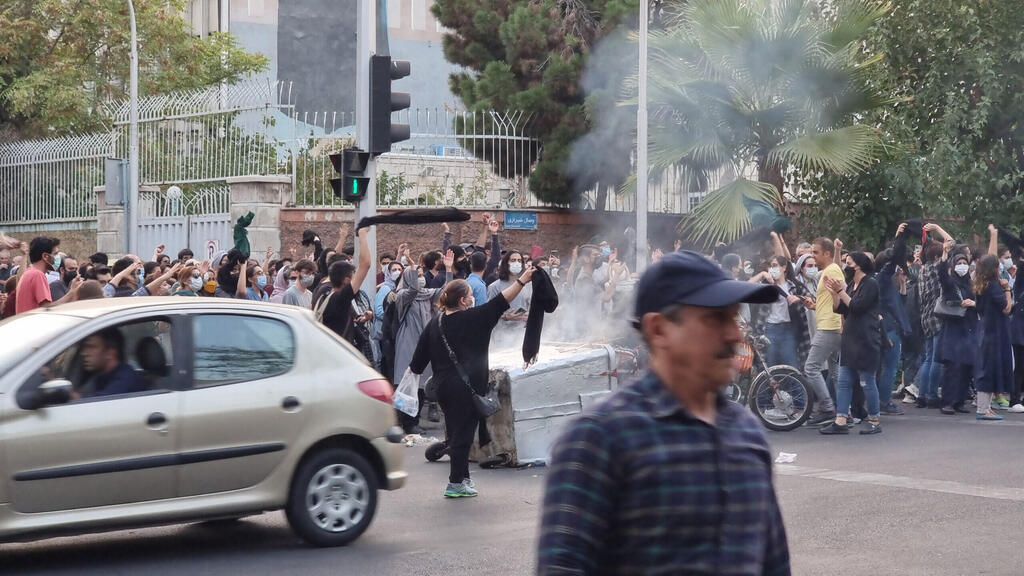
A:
333	498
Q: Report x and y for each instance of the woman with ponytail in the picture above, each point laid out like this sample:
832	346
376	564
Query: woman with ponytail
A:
466	329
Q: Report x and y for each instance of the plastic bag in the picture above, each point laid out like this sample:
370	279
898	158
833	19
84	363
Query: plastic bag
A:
407	397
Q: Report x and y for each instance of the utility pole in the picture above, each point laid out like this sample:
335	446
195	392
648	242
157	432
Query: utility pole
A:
641	147
366	18
132	237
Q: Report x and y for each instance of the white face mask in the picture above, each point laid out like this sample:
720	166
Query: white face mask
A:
515	267
421	282
775	272
1008	263
396	275
811	272
307	280
196	284
961	269
749	270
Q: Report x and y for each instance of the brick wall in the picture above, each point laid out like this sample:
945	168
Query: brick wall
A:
559	230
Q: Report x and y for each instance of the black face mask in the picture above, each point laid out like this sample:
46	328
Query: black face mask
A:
462	267
69	277
849	275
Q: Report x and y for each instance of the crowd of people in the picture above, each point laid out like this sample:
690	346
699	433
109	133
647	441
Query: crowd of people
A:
938	325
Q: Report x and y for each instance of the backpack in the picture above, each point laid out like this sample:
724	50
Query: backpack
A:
390	322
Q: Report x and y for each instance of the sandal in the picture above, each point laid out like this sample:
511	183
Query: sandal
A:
990	415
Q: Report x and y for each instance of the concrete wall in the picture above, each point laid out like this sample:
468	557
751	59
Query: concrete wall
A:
76	238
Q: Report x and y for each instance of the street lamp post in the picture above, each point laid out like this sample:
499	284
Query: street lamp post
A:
641	147
133	141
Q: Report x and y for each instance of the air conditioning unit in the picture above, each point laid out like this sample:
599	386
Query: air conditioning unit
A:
454	151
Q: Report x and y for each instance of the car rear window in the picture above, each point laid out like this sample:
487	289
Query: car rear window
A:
234	348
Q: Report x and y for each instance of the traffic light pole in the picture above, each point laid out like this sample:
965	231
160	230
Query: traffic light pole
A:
366	17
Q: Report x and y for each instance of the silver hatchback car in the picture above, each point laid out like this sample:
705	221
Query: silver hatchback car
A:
139	411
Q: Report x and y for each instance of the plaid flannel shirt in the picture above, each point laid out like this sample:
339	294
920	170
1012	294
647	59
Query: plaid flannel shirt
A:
638	485
929	290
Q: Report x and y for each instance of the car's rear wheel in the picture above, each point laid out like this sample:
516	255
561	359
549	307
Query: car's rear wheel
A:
333	498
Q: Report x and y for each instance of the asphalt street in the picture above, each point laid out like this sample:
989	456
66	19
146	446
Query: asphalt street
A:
931	495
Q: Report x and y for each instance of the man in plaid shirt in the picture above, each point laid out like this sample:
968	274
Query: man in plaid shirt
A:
667	476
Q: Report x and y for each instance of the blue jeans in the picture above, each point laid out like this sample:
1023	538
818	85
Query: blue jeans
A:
782	349
931	370
890	366
867	381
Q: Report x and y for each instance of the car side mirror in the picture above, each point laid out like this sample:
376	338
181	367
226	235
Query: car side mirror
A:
49	393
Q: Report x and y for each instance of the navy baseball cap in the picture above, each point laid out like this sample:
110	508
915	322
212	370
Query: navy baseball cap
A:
691	279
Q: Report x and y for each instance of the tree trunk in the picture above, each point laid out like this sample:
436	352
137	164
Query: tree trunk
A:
772	174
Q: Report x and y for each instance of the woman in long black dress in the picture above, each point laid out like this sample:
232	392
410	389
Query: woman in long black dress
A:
467	328
994	374
958	341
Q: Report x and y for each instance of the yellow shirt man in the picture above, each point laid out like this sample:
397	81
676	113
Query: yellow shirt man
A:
827	319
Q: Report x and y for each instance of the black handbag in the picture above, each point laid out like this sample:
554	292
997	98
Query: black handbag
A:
944	310
486	405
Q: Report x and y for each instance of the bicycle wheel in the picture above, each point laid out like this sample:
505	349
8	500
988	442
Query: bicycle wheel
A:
780	398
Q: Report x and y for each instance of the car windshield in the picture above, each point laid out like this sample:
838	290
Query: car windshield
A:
24	334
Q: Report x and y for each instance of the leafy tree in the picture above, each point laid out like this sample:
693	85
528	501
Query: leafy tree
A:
530	55
960	66
758	88
60	59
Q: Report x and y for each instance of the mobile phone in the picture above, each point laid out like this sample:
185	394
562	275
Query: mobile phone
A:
917	249
520	311
554	253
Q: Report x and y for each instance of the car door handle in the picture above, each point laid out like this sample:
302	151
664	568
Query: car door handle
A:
290	403
156	419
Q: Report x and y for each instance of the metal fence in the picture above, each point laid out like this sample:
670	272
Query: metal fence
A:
52	180
199	138
439	165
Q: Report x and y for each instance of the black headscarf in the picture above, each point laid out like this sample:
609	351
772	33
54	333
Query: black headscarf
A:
545	300
227	281
416	216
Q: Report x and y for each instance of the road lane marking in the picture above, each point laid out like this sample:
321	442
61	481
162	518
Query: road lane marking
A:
930	485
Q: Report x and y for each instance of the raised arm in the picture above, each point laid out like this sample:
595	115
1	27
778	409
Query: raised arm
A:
446	241
363	267
173	270
342	236
482	240
993	240
779	247
495	259
510	293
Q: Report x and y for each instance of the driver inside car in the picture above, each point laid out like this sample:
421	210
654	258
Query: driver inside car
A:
106	371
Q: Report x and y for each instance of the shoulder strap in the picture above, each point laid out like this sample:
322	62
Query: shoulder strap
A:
322	306
451	353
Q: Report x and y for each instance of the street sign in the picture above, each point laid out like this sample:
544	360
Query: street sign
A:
212	247
520	220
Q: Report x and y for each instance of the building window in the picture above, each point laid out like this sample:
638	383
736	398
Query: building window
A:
419	14
394	13
203	16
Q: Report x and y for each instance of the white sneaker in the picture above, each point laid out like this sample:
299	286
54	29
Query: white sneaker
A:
912	390
1017	408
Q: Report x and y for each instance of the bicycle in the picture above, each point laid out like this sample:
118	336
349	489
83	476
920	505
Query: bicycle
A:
779	396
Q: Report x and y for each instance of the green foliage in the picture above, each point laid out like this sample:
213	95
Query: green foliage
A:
391	190
529	55
960	154
758	87
59	60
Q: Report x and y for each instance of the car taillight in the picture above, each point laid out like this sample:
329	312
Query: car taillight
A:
377	389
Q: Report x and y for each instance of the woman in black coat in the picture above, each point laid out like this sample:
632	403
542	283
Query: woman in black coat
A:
959	339
861	352
467	329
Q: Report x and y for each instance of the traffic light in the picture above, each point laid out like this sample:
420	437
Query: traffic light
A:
353	184
384	133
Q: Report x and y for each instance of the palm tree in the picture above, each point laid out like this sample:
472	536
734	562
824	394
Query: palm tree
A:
755	89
